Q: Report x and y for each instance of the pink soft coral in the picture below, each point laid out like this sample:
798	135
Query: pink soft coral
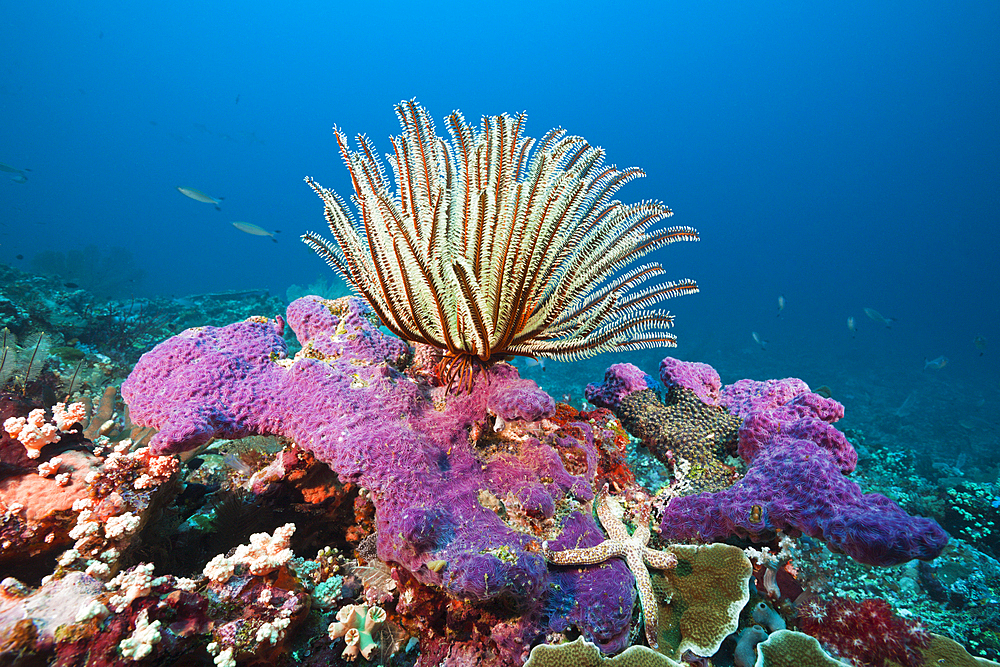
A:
32	431
866	633
66	416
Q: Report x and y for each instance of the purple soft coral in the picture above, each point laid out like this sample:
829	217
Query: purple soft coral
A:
795	481
344	399
796	486
698	377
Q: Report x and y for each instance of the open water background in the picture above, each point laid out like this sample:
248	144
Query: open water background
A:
843	155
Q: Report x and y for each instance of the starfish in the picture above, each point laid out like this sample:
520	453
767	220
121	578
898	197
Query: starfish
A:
633	548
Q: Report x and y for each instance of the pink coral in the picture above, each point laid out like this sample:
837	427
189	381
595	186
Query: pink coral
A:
865	633
264	554
51	467
32	431
160	468
67	416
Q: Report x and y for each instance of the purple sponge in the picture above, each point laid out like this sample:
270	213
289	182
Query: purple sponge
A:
698	377
620	380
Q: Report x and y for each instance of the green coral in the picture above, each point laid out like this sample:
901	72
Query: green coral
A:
786	648
581	653
699	601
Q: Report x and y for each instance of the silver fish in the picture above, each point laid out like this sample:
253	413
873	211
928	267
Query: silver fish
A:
781	304
878	317
936	364
198	195
256	230
760	341
852	326
11	170
532	361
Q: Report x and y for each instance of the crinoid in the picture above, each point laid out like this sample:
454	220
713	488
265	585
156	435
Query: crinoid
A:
494	244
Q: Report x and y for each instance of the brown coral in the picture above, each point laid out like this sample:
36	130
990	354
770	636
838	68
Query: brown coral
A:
683	428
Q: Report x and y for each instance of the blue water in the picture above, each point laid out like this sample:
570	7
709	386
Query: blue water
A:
844	156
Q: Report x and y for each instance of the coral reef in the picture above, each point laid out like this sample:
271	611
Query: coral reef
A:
681	430
794	481
345	399
434	507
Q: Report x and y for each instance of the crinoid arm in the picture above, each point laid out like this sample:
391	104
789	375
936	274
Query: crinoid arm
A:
493	244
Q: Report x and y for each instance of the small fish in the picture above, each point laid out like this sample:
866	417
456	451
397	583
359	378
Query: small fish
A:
19	178
20	256
198	195
878	317
532	361
70	285
823	391
781	304
11	170
760	341
936	364
256	230
852	326
980	342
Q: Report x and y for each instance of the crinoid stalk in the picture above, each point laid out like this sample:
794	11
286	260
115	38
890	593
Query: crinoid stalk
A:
494	244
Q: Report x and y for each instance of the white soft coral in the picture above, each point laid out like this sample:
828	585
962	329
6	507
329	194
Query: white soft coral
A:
264	554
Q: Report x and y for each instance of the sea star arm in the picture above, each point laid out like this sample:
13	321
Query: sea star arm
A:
644	584
641	533
586	556
661	560
609	511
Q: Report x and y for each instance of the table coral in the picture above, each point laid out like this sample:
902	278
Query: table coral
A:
580	653
943	651
701	598
787	648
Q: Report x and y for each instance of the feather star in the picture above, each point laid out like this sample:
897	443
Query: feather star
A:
633	548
